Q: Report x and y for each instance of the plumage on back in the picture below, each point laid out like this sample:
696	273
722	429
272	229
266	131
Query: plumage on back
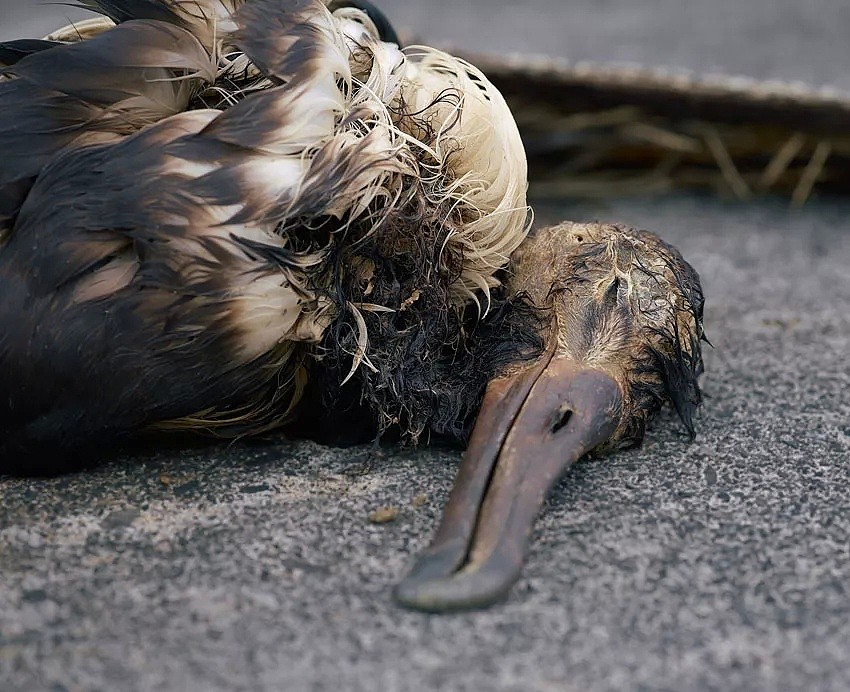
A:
172	265
118	82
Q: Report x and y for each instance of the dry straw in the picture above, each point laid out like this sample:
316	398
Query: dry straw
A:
600	131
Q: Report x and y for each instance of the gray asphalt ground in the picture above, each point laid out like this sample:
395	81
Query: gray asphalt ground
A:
719	564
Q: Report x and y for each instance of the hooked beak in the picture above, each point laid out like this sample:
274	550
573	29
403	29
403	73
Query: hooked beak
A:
531	428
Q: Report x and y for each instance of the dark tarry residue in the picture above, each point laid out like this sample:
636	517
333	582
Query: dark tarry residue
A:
429	360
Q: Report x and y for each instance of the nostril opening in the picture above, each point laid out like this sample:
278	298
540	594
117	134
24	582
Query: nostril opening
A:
561	419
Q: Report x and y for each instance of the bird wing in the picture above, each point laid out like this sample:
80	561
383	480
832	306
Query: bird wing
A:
146	275
115	83
161	263
12	52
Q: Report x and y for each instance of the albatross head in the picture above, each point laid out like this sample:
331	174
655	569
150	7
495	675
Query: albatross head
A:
622	336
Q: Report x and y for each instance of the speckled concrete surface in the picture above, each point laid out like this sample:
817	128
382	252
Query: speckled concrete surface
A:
721	564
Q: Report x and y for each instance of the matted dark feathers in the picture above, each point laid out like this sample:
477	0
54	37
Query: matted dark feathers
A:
125	10
116	83
682	361
287	39
12	52
34	125
162	340
675	344
427	363
418	385
134	60
250	158
208	20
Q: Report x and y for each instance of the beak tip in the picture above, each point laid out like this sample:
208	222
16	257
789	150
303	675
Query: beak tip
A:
460	591
411	595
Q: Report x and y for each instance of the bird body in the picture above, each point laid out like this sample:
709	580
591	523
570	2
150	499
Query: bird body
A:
169	264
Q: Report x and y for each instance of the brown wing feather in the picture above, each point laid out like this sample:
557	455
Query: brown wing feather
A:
118	82
128	303
208	20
